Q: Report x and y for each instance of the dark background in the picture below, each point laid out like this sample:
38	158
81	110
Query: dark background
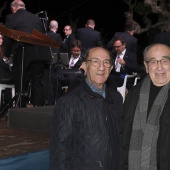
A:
108	15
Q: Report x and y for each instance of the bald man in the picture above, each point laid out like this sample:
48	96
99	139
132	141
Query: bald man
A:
35	57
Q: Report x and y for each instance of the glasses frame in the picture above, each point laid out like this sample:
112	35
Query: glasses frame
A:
154	62
96	62
117	46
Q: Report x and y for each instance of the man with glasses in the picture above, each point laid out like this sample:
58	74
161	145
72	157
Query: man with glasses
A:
64	77
128	34
68	38
86	123
125	63
146	132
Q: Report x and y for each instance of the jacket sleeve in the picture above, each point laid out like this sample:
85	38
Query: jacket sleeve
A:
61	136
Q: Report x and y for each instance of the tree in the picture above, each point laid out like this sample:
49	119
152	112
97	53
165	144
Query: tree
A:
149	14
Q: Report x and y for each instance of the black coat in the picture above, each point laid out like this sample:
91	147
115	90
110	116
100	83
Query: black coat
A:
89	38
85	131
163	144
66	46
56	37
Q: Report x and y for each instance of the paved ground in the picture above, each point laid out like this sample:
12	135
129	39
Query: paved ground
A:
15	142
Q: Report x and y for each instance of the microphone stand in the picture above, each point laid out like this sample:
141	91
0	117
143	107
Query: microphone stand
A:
45	20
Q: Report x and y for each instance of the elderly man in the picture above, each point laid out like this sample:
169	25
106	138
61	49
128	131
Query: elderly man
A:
146	132
86	122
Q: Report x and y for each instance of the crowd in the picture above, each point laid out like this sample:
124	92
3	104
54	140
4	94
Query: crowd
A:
92	128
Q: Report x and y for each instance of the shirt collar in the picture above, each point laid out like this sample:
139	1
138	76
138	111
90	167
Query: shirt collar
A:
97	90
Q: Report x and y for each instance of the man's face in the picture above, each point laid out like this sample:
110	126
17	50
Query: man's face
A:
119	47
14	7
67	30
158	65
98	75
75	51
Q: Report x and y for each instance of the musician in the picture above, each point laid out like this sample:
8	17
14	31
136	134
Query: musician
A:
71	80
35	57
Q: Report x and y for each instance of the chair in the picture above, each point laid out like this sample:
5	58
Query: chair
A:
136	80
4	86
122	90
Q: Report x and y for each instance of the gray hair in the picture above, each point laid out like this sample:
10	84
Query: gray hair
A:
18	3
53	24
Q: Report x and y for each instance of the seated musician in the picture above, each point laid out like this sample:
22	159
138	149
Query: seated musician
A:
72	80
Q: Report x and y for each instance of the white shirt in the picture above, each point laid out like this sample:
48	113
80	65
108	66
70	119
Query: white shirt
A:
73	61
117	65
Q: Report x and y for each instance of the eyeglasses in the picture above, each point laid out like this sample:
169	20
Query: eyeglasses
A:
96	62
154	63
66	29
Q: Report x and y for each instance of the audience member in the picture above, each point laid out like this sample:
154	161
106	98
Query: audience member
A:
68	38
88	36
128	35
35	56
86	123
146	132
125	63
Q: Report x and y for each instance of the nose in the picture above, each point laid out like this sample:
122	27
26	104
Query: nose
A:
159	65
101	65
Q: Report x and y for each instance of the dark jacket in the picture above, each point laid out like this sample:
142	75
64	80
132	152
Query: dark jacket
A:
163	143
25	21
56	37
89	38
131	63
85	131
66	46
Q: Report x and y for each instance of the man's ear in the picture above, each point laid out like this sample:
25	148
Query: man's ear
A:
84	66
112	67
146	66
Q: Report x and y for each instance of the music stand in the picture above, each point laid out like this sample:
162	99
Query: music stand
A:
35	37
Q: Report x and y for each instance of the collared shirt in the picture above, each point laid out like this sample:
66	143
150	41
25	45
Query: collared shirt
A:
97	90
73	61
117	65
65	39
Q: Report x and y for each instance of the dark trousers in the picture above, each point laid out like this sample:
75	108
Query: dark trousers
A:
29	71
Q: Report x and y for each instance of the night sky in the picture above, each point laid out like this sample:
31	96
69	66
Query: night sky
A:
108	15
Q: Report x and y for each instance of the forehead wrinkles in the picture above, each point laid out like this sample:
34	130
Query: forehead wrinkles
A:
99	53
158	52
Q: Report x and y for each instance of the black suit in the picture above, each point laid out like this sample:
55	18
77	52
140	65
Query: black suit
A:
56	37
89	38
66	45
131	41
115	79
35	56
